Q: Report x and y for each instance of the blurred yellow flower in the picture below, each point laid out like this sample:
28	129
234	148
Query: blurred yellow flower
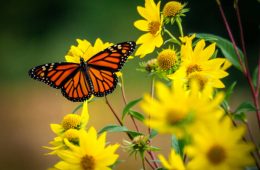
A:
91	154
219	147
178	111
172	8
85	50
196	64
175	161
152	25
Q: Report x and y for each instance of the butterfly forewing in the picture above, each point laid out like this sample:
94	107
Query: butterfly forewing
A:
112	58
54	74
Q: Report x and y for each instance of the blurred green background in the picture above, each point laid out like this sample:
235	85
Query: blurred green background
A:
42	31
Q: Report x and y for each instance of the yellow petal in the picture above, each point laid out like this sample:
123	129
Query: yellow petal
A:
141	25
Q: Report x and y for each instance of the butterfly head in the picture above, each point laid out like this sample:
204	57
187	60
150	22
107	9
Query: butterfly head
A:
82	62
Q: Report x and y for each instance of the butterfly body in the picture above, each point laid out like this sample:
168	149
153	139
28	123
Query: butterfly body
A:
79	81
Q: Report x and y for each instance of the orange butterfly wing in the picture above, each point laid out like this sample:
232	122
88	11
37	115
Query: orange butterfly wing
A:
102	67
95	76
70	77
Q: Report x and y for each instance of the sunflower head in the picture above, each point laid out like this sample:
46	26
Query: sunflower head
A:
166	59
71	121
72	135
172	8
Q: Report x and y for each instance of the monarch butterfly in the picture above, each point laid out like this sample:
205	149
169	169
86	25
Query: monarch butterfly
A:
79	81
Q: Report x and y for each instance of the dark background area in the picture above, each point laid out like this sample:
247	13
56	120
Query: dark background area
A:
42	31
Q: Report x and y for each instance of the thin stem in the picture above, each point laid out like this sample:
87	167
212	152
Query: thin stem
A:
231	37
152	96
125	101
121	123
113	111
245	69
172	37
153	158
179	26
149	163
258	77
240	27
143	164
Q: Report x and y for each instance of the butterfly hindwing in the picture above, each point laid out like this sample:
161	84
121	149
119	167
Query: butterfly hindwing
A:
103	81
77	88
113	57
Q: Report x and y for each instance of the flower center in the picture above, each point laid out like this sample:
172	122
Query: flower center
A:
173	117
166	59
72	135
172	8
87	162
202	80
154	27
216	154
71	121
193	68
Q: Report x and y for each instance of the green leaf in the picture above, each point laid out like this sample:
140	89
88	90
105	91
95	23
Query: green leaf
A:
239	116
226	48
118	128
153	133
251	168
225	105
129	106
178	145
77	108
245	107
230	90
255	76
137	115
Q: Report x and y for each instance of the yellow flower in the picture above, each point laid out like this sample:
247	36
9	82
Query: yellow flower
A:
166	59
152	25
172	8
196	64
91	154
175	161
72	121
85	50
177	111
69	128
219	147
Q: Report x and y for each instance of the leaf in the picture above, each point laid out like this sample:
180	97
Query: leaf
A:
230	90
153	133
77	108
178	145
118	128
129	106
137	115
251	168
226	48
239	116
245	107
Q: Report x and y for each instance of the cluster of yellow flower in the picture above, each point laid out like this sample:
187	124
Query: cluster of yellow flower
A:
189	109
81	149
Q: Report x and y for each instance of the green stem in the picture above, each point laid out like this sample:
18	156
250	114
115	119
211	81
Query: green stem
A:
180	27
175	40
